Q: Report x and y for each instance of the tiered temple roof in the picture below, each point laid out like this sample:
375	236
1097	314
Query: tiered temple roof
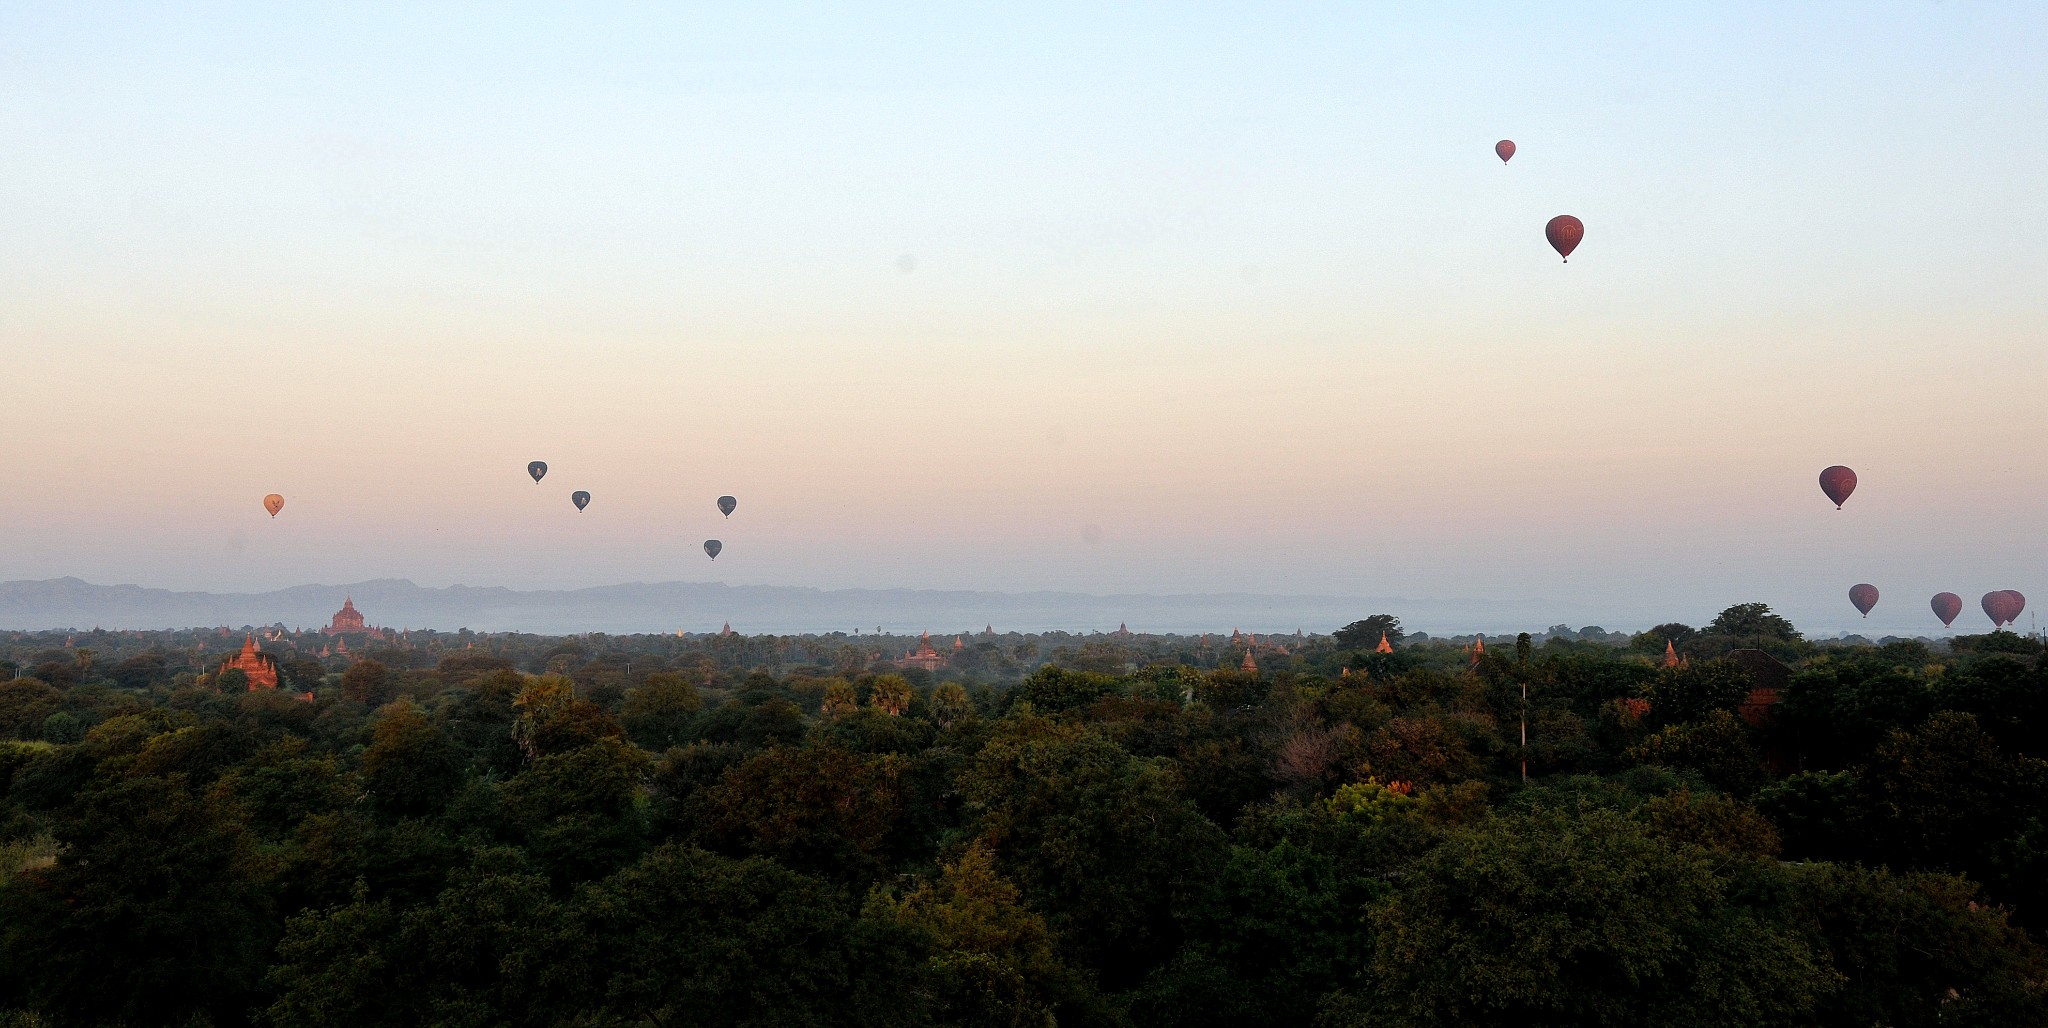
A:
255	663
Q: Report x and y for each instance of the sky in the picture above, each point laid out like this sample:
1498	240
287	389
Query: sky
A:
1111	299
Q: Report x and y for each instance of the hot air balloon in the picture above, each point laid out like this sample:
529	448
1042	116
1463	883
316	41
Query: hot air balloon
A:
580	498
1564	233
726	504
1505	148
1946	607
1838	482
2003	607
273	503
712	546
1864	596
538	469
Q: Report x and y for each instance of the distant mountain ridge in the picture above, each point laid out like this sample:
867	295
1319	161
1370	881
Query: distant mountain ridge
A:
67	603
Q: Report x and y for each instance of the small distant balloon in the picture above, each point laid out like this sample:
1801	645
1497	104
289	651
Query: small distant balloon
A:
580	498
1838	482
273	503
726	505
538	469
2003	607
711	548
1564	233
1505	149
906	263
1864	596
1946	607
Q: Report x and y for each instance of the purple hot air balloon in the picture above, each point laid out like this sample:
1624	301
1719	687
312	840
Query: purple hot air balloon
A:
1504	149
1838	482
1946	607
1864	596
2003	606
1564	233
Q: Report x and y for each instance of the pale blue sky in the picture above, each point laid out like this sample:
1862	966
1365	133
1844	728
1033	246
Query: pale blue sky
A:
1199	299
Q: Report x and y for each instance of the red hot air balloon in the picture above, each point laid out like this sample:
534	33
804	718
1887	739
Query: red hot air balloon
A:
1946	607
273	503
2003	607
1838	482
1505	148
1564	233
1864	596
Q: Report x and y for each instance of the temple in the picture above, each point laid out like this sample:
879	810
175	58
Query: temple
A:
349	621
925	657
253	662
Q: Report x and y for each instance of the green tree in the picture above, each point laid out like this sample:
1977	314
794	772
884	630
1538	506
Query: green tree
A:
819	809
660	713
688	937
1556	918
478	953
369	683
1697	690
411	766
1717	746
553	719
993	961
1366	634
1101	841
1751	621
153	912
579	813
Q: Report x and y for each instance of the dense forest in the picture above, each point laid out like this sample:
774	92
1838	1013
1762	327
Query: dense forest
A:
1109	829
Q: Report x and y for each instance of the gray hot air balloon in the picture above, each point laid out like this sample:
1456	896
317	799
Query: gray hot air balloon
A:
537	469
726	504
712	546
580	498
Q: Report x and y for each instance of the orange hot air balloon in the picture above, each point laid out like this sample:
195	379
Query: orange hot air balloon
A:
1864	596
1505	148
1564	233
273	503
1946	607
1838	482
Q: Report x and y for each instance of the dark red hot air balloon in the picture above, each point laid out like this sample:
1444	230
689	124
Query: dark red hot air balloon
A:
1864	596
1505	148
1564	233
1946	607
1838	482
2003	607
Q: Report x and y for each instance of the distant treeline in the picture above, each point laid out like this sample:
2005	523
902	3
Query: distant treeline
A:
1728	825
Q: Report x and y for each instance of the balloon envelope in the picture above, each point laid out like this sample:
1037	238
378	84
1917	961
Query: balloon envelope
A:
1564	233
580	498
537	469
726	505
2003	607
712	546
1505	148
1946	607
1838	482
273	503
1864	596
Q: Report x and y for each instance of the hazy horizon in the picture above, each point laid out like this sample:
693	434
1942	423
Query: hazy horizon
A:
703	606
1061	299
